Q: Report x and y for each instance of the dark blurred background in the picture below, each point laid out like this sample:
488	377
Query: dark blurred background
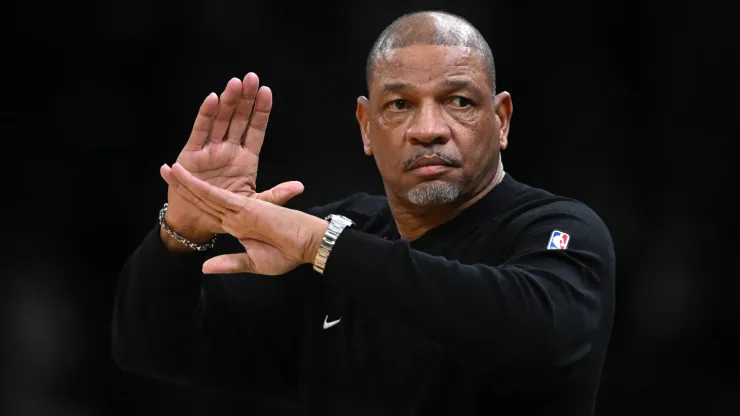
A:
628	106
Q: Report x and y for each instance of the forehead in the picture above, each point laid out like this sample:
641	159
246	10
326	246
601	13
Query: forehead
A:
420	65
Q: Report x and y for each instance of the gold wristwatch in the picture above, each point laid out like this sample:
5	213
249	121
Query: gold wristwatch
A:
337	224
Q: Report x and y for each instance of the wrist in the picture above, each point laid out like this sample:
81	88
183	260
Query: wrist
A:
172	244
324	239
195	234
317	229
180	238
176	246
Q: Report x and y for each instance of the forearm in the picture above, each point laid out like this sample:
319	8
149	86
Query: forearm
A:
156	301
499	315
172	323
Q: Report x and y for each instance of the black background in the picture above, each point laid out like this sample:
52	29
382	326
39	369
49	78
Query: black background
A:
628	106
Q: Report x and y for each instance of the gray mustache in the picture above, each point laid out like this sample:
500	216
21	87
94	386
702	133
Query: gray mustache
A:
450	160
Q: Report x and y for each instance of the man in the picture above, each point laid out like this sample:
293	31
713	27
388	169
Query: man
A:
461	292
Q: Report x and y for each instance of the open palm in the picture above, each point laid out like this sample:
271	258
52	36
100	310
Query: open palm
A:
223	150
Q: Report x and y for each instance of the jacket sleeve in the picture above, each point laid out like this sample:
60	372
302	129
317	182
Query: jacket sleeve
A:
539	309
172	323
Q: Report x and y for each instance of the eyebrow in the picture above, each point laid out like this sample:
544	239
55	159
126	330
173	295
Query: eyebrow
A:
395	86
457	84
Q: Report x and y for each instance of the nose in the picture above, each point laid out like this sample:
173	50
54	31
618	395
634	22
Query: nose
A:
428	126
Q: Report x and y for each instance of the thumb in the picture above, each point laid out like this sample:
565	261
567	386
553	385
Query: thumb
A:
228	263
282	193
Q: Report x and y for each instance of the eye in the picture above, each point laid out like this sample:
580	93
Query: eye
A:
399	104
461	102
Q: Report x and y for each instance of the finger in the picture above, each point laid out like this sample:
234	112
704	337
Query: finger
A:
227	103
282	193
228	263
219	199
203	123
255	134
243	110
184	192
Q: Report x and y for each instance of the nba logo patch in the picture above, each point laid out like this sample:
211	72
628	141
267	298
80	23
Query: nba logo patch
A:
558	240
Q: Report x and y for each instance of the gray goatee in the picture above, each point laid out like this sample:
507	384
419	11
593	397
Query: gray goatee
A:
434	193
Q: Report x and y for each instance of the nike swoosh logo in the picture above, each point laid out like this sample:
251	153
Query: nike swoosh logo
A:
330	324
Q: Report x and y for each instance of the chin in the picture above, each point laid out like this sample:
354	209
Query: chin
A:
434	193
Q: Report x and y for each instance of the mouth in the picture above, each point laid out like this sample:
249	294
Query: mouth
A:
429	166
428	162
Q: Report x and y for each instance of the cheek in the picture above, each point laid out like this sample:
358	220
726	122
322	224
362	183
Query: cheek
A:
385	151
479	147
386	138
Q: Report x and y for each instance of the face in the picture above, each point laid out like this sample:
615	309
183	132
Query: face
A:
433	125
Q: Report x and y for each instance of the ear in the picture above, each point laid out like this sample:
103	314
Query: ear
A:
363	117
503	108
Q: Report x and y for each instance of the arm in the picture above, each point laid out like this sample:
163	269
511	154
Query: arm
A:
174	324
540	308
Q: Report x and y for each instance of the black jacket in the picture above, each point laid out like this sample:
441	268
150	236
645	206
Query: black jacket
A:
478	316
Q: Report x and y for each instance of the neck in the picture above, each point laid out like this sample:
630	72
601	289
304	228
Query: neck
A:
414	221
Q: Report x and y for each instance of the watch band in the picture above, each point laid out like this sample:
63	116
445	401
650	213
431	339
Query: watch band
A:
337	224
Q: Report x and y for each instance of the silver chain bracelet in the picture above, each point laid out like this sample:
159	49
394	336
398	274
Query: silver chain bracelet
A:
182	240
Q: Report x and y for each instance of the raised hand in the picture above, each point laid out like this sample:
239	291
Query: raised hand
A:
223	150
276	239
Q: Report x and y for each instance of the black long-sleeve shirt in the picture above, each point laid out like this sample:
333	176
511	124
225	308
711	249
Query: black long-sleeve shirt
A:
508	307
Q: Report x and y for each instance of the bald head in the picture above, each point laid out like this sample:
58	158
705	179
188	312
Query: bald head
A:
431	28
